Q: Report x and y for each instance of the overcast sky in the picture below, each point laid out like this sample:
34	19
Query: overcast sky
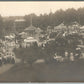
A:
37	7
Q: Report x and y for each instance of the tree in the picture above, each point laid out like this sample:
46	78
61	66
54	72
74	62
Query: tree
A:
2	30
8	26
58	17
70	16
80	13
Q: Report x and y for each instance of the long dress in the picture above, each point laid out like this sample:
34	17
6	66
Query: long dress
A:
71	57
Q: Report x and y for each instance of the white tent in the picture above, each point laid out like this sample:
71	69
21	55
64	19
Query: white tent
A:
9	37
22	33
30	39
61	26
82	27
26	40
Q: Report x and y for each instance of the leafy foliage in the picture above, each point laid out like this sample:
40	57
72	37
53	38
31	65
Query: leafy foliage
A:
44	20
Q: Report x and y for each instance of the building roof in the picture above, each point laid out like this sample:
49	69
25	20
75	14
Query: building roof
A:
30	28
19	20
39	30
61	26
49	27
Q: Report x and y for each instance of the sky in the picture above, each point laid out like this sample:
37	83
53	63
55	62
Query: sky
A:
38	7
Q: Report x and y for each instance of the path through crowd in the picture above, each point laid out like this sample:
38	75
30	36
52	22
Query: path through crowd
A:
6	67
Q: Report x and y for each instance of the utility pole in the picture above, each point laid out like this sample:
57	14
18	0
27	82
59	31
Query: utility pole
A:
14	27
31	19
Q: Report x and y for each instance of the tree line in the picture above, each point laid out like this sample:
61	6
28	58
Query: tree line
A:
44	20
53	19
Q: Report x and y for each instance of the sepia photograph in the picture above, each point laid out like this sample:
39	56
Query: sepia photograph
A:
41	41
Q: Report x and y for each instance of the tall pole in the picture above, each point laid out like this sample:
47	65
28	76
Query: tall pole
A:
50	17
31	19
14	27
15	30
79	18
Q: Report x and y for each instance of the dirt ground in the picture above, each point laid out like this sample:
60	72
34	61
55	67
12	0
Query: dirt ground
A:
43	72
52	72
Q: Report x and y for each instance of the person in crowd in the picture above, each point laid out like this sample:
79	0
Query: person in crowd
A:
55	56
71	57
66	55
78	53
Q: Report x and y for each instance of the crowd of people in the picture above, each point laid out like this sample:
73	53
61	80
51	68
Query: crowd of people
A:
69	56
62	48
6	51
65	48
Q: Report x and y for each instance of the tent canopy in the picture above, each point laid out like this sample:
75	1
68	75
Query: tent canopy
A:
10	37
30	39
